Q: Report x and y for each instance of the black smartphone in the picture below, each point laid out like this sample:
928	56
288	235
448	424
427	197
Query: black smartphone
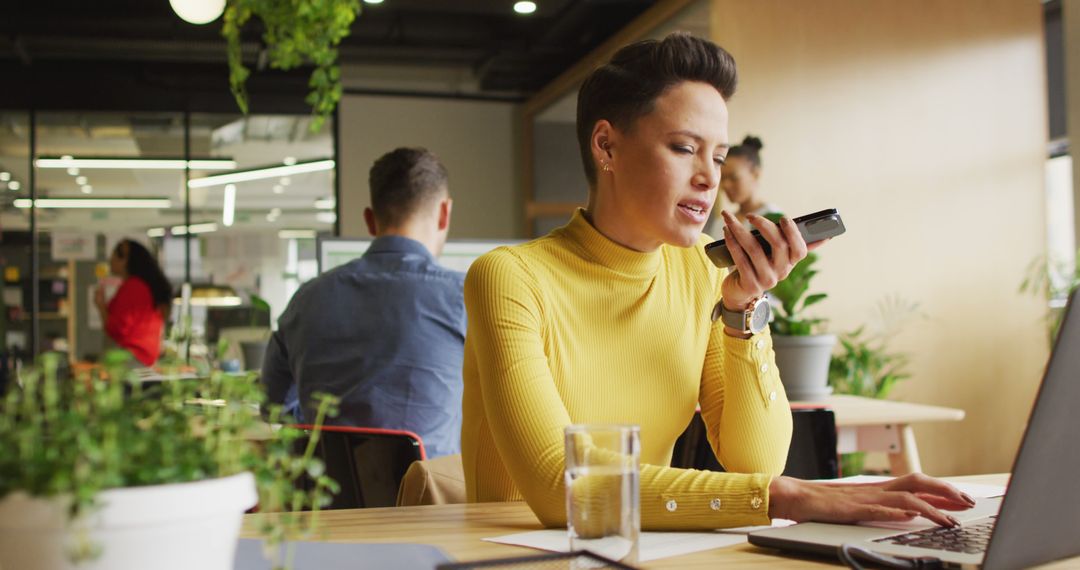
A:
813	227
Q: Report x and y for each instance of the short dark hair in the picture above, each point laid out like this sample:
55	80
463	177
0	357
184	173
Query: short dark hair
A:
404	180
626	88
750	149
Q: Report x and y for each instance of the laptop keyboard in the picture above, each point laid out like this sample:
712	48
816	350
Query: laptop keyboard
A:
967	539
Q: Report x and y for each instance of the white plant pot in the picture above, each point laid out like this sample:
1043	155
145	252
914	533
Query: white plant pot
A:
179	526
804	364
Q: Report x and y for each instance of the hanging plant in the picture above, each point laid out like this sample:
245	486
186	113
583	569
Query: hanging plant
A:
297	32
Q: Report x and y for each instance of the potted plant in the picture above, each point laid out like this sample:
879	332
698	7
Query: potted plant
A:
295	34
105	472
801	355
1054	279
866	366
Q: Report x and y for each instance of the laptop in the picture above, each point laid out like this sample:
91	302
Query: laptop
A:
1037	521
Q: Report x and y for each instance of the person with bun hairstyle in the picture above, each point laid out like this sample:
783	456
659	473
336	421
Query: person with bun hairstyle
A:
135	316
610	319
740	177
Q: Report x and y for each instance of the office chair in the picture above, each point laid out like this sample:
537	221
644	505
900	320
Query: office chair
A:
368	463
812	454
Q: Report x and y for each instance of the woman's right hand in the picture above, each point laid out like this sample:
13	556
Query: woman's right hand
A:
900	499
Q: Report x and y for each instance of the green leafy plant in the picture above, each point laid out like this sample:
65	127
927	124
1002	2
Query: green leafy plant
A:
1053	279
866	366
295	33
792	294
72	438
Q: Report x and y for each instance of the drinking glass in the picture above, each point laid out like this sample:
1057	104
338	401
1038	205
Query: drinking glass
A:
603	512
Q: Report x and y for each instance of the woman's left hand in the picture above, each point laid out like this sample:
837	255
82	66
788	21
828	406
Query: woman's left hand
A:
99	296
757	272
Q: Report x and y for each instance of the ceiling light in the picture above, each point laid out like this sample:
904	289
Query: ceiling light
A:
149	203
525	7
289	160
155	232
5	176
285	181
198	11
80	180
278	188
275	212
73	171
325	217
14	185
373	1
262	173
228	211
86	188
202	228
137	163
296	234
325	204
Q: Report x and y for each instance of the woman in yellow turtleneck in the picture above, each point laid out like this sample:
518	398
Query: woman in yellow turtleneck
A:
610	320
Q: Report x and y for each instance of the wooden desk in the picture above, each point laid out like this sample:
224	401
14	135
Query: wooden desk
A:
458	530
865	424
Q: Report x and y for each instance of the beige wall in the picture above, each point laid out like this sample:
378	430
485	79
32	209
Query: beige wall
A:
924	122
474	139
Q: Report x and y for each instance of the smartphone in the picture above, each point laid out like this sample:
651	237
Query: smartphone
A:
813	227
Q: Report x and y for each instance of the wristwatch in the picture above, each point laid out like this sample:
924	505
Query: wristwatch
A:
753	320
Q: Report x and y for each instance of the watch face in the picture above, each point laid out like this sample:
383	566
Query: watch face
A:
759	319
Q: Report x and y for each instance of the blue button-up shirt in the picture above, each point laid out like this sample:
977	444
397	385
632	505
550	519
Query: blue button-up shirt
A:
386	334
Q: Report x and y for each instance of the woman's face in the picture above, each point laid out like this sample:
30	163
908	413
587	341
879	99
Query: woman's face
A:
118	260
666	169
739	179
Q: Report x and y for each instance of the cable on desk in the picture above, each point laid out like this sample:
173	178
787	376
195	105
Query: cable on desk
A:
849	555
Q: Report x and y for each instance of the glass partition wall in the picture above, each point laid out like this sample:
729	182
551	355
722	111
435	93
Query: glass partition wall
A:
230	204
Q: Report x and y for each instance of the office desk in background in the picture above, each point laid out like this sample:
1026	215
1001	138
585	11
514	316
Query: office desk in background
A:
459	529
866	424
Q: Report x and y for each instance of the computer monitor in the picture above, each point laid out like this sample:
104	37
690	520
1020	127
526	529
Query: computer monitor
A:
456	254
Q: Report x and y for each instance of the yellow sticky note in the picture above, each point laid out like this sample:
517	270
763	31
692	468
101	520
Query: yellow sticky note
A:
11	273
101	270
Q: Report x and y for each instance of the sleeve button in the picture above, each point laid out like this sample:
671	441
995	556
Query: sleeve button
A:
760	344
772	396
764	367
671	505
714	504
755	503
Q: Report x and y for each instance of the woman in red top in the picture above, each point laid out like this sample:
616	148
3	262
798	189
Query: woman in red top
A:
135	316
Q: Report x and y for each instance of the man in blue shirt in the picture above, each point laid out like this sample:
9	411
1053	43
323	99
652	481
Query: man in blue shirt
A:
384	332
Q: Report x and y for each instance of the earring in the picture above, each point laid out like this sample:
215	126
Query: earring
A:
605	166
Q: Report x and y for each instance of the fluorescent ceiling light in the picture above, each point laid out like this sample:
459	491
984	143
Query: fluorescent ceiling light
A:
150	203
296	234
137	163
228	211
325	204
195	229
182	230
525	7
325	217
14	185
5	176
262	173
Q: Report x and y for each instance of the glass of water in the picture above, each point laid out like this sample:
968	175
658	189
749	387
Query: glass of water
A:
603	512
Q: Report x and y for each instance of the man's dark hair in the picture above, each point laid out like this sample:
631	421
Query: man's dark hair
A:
141	263
627	87
750	149
404	180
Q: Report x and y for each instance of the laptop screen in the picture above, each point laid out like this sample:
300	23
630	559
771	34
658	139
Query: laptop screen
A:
1040	518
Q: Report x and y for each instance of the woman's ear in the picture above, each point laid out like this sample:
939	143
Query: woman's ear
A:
601	143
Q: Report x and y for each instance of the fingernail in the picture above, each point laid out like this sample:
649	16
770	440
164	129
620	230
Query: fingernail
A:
912	514
968	498
953	520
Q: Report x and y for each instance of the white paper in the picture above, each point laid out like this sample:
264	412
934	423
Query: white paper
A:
73	245
652	546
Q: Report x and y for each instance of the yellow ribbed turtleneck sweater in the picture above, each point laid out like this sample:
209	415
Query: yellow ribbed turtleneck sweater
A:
574	328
